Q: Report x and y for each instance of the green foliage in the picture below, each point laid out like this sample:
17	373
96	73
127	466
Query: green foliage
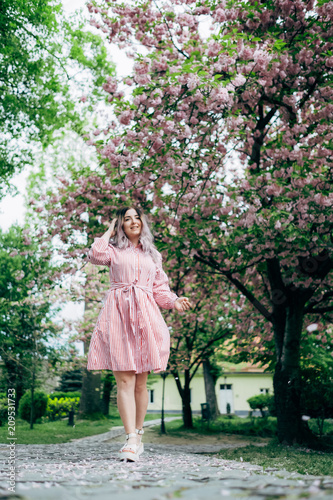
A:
58	408
3	410
59	394
229	424
317	395
41	53
71	381
26	314
39	408
261	402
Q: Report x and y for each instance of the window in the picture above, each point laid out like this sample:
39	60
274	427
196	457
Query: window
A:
151	395
264	391
226	386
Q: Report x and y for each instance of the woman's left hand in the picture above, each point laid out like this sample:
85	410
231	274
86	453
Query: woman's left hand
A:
182	304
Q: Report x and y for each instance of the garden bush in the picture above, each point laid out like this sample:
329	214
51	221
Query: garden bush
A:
40	404
261	402
58	408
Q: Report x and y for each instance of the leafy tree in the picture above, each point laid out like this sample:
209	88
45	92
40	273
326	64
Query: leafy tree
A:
26	311
48	62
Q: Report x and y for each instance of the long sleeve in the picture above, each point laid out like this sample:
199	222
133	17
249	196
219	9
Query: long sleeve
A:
163	296
100	253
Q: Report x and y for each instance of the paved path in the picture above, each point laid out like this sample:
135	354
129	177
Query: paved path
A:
89	469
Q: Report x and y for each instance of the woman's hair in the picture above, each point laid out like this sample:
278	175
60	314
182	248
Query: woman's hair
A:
120	239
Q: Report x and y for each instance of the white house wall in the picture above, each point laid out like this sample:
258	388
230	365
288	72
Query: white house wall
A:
243	386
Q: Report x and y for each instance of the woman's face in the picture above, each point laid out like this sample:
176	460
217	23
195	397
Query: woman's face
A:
132	224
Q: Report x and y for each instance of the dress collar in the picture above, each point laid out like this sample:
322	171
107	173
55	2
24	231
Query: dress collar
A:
130	245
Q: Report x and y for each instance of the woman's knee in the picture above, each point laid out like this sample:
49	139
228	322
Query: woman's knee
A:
125	381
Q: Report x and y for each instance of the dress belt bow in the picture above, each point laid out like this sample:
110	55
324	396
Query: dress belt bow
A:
114	285
132	288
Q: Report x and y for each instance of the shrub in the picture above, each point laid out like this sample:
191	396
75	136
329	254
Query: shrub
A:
40	404
261	402
256	426
317	395
59	407
74	394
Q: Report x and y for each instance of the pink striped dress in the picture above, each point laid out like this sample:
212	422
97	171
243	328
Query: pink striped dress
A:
130	333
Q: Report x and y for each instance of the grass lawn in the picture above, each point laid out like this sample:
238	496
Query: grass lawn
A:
255	426
236	425
60	432
293	459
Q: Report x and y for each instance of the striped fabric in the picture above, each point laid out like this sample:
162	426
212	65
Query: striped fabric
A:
130	333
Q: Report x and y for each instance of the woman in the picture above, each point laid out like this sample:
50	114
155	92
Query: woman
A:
131	337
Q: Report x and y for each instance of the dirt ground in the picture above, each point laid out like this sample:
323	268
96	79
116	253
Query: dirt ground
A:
153	436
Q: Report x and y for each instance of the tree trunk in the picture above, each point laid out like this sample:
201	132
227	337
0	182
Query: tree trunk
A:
287	381
90	401
185	394
186	400
107	388
210	390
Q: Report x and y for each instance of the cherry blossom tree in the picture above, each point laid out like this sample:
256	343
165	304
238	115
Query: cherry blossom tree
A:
227	140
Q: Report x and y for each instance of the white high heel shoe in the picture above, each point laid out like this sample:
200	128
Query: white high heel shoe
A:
129	452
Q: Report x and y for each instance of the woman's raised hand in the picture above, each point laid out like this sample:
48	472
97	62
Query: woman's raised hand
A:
182	304
110	232
111	228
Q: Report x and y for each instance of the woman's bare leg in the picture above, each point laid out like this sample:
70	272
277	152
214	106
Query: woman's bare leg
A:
126	400
141	399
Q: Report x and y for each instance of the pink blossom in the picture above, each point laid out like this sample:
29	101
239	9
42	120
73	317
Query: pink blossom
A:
126	116
220	16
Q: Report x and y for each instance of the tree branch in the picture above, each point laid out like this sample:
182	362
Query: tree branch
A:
249	295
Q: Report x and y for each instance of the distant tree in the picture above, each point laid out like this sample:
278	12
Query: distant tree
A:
70	381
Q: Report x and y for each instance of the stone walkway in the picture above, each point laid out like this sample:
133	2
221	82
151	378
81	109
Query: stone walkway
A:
89	469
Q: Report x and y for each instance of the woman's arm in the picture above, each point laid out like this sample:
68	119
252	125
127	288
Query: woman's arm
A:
101	252
163	296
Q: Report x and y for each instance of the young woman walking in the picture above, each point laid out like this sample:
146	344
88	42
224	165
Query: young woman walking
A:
131	337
